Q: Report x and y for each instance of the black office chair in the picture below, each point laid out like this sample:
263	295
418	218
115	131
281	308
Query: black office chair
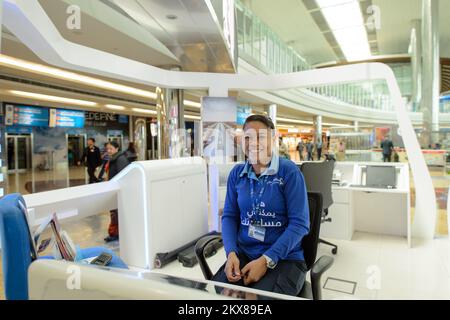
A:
310	290
318	177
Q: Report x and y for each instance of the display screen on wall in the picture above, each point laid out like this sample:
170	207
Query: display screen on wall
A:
63	118
26	116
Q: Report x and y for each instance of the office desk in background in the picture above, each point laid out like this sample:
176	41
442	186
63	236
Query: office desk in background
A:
372	210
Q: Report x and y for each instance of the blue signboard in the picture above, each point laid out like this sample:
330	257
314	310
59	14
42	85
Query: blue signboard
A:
123	118
19	129
69	118
28	116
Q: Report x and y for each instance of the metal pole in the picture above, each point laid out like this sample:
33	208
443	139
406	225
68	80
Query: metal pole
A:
171	126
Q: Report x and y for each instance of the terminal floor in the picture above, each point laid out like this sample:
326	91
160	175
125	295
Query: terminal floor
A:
420	272
368	267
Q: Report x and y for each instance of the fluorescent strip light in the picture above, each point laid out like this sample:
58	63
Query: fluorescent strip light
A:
337	125
294	121
72	76
284	126
144	111
187	116
52	98
114	107
192	104
331	3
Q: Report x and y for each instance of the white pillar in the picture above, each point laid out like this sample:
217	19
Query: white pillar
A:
272	110
317	128
431	71
416	62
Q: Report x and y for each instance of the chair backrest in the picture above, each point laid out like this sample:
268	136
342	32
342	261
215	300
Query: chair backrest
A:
318	177
310	242
16	250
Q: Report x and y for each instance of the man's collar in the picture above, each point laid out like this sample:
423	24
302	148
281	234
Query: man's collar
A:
271	170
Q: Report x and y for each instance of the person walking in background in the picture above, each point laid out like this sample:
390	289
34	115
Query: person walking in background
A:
92	158
300	149
319	149
309	150
340	156
387	147
283	149
105	159
131	153
118	161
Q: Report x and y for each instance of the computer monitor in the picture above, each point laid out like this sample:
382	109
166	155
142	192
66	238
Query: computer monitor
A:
381	176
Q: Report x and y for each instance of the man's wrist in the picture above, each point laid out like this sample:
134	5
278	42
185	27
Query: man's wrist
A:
269	262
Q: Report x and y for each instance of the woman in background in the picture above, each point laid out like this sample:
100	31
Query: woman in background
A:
118	161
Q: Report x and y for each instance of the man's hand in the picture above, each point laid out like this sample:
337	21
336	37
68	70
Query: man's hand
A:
232	269
254	270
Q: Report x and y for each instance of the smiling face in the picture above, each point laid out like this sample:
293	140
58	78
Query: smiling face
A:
258	143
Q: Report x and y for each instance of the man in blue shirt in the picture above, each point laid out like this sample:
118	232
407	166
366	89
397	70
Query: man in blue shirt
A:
265	217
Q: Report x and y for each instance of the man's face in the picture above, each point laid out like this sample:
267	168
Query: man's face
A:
258	140
90	143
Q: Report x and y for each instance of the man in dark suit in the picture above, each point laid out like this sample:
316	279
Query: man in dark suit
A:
92	158
387	147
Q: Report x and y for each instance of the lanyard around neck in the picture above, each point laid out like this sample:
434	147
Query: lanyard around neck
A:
256	199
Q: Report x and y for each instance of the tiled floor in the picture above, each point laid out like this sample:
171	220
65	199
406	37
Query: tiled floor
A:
381	266
384	268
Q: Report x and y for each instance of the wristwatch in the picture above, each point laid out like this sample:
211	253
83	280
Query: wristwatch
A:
269	262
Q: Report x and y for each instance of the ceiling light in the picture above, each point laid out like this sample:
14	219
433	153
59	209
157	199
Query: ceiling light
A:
187	116
337	125
72	76
144	111
345	19
294	121
192	104
45	97
114	107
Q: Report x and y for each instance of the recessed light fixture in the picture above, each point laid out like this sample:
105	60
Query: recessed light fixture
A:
144	111
72	76
114	107
171	17
187	116
192	104
52	98
294	121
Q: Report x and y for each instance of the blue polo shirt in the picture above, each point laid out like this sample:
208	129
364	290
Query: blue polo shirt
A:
283	206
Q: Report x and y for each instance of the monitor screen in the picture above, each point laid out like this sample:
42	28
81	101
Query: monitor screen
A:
381	176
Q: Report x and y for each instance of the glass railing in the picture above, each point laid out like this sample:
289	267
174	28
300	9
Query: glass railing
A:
264	49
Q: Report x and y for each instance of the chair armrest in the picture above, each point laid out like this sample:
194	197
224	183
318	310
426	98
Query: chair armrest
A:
318	269
200	247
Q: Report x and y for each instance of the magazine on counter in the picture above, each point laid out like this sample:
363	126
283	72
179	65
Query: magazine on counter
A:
65	248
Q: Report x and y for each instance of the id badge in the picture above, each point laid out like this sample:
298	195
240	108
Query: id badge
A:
256	232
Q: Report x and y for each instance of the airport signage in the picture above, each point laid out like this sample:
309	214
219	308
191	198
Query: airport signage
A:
63	118
18	115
